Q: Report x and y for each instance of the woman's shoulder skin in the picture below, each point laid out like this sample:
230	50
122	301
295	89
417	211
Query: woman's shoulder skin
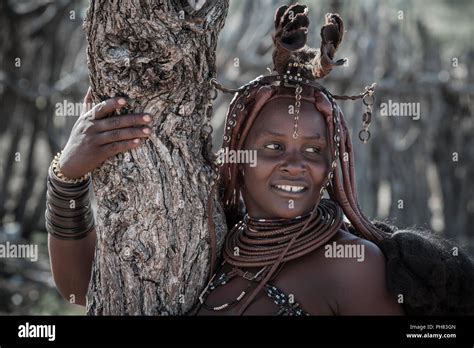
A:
346	276
358	273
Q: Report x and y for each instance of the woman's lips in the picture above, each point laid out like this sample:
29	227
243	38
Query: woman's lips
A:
289	190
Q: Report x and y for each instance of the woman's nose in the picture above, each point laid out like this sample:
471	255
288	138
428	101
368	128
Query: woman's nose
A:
293	163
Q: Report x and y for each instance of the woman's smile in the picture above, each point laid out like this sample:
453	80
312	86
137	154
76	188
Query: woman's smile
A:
290	188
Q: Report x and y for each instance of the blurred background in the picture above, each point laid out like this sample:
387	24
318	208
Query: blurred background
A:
412	173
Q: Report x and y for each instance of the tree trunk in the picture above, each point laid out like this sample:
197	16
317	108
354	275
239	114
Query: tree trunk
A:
153	251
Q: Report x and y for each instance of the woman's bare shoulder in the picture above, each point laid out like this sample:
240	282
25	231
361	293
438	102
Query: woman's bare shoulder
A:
359	268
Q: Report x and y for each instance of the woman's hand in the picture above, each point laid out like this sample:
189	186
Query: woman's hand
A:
96	137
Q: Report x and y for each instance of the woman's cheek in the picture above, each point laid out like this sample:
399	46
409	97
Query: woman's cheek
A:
319	172
260	172
265	162
264	156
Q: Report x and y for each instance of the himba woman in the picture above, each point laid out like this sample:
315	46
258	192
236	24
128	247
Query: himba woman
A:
288	214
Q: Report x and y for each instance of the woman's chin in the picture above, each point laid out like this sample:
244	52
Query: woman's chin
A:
290	213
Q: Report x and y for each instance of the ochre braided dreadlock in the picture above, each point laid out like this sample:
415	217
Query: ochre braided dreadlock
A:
291	25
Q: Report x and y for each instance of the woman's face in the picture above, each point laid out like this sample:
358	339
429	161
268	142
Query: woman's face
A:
289	173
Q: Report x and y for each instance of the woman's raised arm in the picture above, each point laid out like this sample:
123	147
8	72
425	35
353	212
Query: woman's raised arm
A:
69	218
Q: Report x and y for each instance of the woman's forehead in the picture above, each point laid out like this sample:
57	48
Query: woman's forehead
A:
279	114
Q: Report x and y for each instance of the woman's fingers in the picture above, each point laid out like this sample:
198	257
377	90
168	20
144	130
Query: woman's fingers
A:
120	146
121	134
88	97
87	104
101	110
122	121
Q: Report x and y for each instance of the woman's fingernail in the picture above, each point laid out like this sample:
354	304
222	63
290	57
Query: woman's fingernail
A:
122	101
136	141
147	118
146	130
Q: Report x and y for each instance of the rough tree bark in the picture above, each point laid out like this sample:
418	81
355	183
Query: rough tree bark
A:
152	253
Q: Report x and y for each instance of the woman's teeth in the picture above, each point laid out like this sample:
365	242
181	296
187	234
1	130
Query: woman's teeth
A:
288	188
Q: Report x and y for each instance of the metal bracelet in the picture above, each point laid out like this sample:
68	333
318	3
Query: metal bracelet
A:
68	212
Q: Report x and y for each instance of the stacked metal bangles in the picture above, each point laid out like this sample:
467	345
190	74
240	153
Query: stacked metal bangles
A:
68	208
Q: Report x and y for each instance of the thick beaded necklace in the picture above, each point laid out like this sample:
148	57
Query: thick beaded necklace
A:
259	243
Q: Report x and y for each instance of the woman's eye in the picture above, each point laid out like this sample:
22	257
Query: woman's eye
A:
313	150
273	146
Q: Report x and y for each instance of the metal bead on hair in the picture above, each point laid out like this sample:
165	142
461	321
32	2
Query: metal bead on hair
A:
368	100
289	79
337	139
298	91
232	120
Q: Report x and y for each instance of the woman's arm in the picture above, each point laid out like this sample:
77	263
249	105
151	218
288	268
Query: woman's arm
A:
71	265
94	138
